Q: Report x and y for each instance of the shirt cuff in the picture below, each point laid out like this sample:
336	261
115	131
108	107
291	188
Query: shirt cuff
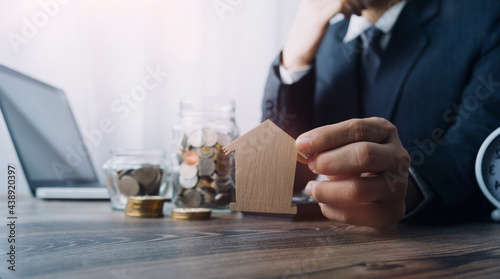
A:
426	192
292	76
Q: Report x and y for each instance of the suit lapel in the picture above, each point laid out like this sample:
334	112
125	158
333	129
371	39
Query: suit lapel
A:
407	44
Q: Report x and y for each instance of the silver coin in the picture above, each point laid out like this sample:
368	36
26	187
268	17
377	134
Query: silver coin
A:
211	137
223	139
154	188
128	186
196	138
206	167
192	198
188	182
146	175
186	171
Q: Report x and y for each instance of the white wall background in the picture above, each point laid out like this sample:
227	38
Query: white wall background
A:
97	51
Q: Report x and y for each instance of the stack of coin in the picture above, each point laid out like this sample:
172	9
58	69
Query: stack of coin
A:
191	214
145	180
145	206
205	171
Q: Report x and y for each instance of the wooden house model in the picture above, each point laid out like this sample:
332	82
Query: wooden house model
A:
265	170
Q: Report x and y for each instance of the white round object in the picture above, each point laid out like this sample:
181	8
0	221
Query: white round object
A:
223	139
196	138
188	182
186	171
211	137
488	169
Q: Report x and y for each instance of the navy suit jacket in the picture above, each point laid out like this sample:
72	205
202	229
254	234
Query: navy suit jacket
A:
438	83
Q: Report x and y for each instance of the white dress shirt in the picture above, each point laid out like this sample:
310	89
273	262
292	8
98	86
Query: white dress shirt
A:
357	26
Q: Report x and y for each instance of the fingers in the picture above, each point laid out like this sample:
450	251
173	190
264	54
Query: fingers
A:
356	190
360	157
341	177
302	159
377	215
333	136
351	7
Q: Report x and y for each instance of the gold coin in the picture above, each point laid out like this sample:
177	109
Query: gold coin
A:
191	214
147	198
145	206
190	158
206	151
218	148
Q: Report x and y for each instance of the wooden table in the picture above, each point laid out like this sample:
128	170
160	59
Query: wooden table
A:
68	239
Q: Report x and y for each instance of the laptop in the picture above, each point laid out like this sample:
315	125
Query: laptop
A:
56	163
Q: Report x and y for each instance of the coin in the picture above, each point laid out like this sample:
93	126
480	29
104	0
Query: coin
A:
186	171
188	182
196	138
191	214
128	186
145	206
206	151
154	188
224	186
122	173
223	198
211	137
192	198
223	165
223	139
206	167
204	170
147	198
146	175
207	181
190	158
208	194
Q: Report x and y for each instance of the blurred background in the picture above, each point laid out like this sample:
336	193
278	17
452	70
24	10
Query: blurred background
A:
99	51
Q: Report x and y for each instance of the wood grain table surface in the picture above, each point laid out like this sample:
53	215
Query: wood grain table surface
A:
83	239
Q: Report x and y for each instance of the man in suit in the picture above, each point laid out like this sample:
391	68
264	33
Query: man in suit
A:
390	81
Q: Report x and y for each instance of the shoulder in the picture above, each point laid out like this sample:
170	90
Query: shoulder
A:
477	20
470	12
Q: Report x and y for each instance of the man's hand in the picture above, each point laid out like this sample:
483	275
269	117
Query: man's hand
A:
309	28
367	168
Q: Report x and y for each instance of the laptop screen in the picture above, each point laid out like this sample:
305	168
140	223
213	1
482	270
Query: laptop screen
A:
44	132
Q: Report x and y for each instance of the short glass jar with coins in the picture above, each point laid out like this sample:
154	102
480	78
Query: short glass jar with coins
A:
203	175
136	173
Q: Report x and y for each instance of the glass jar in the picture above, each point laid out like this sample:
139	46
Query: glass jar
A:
203	174
136	173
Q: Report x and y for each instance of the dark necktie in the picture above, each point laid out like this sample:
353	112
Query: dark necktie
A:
370	64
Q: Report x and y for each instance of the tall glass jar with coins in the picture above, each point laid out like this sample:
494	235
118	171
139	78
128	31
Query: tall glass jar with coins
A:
136	173
203	174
